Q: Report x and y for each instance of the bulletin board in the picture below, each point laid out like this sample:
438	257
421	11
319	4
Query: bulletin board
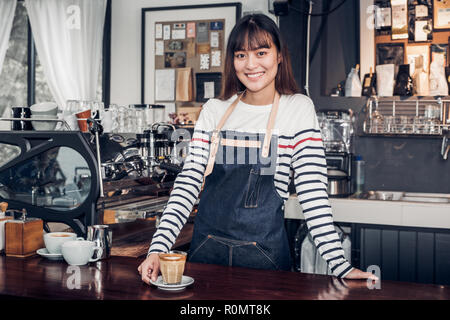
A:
196	45
193	47
190	44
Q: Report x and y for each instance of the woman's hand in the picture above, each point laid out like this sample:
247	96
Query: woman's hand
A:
149	268
358	274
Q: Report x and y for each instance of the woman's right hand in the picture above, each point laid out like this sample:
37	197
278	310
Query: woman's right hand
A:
149	268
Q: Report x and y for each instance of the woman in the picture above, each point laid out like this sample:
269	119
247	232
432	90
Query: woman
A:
244	147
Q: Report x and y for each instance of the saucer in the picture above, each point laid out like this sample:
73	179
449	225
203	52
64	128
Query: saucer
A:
185	281
43	252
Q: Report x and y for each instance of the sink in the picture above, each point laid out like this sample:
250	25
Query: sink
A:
427	197
405	196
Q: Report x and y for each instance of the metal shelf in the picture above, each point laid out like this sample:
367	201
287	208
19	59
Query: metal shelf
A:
409	117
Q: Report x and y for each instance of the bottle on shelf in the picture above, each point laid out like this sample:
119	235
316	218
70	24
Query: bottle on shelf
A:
353	86
404	83
369	84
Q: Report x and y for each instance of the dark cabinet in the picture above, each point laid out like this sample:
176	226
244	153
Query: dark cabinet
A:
405	254
402	253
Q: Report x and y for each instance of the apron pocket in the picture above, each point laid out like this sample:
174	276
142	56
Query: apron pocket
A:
211	250
253	184
252	255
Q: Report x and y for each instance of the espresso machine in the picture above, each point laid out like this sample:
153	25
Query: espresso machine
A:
337	128
88	178
138	171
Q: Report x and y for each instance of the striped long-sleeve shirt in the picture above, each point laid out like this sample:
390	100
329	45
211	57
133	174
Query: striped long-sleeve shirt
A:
300	151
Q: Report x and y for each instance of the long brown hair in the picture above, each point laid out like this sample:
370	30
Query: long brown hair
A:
251	32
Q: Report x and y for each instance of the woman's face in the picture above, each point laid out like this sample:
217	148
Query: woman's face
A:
257	68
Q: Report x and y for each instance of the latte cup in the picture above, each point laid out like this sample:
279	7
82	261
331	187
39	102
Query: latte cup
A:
54	240
79	253
172	265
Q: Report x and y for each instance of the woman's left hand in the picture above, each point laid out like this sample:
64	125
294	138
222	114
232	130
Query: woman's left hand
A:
358	274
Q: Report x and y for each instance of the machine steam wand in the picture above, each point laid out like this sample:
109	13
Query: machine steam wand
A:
97	129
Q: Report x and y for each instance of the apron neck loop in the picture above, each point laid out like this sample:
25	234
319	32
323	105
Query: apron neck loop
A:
215	135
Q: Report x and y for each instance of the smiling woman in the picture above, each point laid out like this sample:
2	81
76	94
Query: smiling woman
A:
240	217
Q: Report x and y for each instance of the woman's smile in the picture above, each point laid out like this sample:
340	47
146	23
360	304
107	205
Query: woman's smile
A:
255	75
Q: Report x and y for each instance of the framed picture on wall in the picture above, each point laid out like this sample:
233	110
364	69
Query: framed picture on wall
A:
157	24
441	14
390	53
208	85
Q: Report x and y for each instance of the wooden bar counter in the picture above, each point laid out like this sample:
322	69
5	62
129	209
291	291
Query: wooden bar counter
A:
117	278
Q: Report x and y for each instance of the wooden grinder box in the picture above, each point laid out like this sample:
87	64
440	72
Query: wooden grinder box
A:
23	237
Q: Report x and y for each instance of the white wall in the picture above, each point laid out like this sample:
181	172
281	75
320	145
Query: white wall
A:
367	37
126	42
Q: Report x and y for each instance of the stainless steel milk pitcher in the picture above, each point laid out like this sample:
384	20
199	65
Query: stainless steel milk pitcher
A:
102	236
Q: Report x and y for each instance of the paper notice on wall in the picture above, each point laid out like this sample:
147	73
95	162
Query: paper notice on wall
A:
216	25
443	16
179	25
412	52
208	90
399	19
190	30
203	48
204	61
421	11
382	17
419	31
214	39
215	58
158	31
159	48
184	86
179	34
202	32
165	85
166	32
190	49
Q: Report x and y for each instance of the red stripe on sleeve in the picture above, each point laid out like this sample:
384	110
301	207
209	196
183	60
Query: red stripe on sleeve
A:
201	140
301	141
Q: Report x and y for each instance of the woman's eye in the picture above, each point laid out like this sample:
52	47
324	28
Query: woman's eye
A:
261	53
239	55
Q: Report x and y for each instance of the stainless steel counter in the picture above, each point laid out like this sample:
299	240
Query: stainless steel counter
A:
405	209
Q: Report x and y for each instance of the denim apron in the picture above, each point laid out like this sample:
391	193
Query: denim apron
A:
240	218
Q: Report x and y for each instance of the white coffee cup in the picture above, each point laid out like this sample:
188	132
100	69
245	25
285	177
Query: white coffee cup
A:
54	240
72	121
79	253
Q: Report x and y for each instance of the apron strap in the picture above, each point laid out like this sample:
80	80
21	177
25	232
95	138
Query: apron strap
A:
215	136
270	124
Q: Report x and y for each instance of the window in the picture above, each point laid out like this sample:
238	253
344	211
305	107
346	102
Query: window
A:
13	76
42	91
22	79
